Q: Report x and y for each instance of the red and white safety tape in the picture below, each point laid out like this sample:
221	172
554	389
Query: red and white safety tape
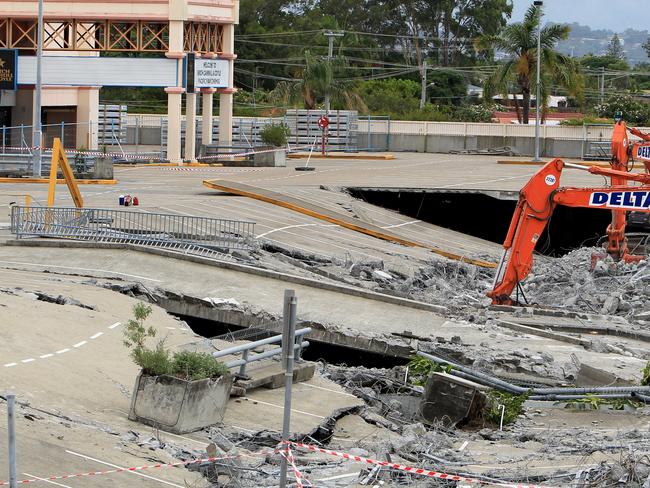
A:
150	157
135	468
410	469
288	455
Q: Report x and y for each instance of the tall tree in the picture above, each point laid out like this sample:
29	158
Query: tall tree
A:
615	48
320	78
519	42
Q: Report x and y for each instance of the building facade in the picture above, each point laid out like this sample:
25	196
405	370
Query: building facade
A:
114	28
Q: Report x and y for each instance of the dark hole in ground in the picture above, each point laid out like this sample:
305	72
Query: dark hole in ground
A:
330	353
488	218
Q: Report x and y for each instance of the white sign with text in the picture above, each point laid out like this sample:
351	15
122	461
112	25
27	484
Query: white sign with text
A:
211	73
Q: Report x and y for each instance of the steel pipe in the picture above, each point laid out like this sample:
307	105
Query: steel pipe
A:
263	355
489	380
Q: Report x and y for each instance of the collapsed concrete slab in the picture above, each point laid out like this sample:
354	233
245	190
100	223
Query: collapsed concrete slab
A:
452	400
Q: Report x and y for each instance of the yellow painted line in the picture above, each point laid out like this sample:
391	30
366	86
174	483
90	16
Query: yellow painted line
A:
217	185
59	181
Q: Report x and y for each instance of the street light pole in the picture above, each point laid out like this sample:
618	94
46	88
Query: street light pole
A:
538	96
330	54
37	135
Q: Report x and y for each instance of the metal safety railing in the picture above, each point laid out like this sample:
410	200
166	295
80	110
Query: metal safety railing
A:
197	235
247	358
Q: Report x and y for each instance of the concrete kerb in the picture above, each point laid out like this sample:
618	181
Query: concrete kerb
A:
299	280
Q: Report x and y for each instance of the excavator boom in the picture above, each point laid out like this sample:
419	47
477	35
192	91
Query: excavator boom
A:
539	197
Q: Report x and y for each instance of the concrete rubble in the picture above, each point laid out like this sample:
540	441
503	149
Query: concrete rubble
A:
594	332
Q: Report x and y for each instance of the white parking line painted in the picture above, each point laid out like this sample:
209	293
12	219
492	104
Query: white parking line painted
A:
402	224
81	269
105	463
46	481
280	406
63	351
342	393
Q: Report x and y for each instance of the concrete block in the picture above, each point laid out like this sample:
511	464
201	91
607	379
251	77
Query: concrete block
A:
589	376
179	406
302	372
275	159
103	169
452	400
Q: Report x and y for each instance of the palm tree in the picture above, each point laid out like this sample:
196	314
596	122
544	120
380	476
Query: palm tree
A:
519	41
318	79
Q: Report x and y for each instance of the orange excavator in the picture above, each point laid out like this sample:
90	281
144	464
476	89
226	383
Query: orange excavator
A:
538	198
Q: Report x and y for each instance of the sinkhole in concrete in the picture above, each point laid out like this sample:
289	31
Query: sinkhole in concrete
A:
487	215
317	350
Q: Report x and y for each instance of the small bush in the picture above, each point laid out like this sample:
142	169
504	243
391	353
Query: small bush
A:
196	366
275	135
514	407
645	380
153	362
475	113
158	361
420	368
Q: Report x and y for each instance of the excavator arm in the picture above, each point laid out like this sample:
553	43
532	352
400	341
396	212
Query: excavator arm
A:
536	203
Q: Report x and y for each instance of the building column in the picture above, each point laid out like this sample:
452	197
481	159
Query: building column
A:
226	94
190	127
175	93
207	95
87	117
174	116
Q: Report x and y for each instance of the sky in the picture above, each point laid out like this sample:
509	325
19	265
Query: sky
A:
616	15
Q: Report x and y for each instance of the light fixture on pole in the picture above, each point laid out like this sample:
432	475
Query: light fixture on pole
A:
539	4
37	135
330	53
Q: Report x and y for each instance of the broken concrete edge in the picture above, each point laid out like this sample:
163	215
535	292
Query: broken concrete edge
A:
549	312
543	333
594	330
276	275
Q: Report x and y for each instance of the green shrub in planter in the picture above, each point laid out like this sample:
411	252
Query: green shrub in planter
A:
275	135
196	366
158	361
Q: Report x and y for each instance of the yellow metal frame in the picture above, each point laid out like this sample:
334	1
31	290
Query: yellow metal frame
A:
59	157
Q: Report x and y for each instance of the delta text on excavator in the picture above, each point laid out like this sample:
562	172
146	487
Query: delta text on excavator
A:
628	191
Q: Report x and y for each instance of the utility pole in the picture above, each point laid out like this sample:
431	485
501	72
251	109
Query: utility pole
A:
288	343
538	3
423	94
601	83
11	427
330	54
37	134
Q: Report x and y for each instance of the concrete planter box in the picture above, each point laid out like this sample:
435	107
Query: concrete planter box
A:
179	406
275	159
103	168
